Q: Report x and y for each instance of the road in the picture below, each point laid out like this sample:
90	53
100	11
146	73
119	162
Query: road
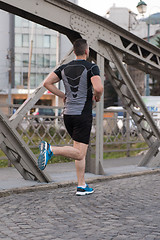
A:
120	209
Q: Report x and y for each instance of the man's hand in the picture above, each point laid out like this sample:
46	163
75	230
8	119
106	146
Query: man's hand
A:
95	98
49	83
64	99
98	88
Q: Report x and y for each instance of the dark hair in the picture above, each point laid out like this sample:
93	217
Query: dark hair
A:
79	46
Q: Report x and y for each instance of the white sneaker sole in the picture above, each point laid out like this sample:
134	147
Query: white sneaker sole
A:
42	156
84	193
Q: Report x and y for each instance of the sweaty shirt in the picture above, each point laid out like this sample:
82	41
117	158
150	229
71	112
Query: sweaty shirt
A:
76	76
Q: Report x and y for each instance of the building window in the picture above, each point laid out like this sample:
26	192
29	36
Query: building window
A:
53	41
25	59
33	60
18	60
39	41
25	79
18	101
46	60
45	75
18	79
32	80
34	41
40	60
47	41
53	61
18	40
25	40
40	78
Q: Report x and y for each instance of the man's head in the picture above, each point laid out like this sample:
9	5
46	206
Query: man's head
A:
80	47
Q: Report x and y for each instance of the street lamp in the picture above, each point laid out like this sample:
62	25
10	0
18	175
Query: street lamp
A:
142	8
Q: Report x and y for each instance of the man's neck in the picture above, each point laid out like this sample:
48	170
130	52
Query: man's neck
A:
82	57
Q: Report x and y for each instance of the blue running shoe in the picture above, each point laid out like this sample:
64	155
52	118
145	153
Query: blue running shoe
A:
84	191
45	155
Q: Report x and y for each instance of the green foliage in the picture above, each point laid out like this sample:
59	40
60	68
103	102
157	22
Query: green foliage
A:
3	162
158	42
111	144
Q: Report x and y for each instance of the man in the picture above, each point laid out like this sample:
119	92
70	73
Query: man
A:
79	77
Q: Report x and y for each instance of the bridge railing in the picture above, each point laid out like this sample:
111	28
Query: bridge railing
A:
121	136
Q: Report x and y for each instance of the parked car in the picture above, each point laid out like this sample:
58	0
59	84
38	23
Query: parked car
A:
120	115
45	112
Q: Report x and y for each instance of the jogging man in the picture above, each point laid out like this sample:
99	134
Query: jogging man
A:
80	79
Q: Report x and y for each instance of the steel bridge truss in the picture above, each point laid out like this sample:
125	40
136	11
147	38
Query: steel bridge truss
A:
108	43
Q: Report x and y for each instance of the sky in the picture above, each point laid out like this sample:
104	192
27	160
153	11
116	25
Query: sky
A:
100	7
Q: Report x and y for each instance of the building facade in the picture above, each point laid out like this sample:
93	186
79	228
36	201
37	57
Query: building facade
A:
4	56
40	43
21	74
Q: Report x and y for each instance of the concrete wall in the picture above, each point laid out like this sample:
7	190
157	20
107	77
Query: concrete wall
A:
119	16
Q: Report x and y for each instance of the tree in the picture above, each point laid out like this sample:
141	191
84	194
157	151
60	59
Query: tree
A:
158	42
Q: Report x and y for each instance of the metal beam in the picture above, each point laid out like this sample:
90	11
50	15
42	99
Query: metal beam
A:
99	123
77	21
117	45
19	153
130	98
133	89
35	96
150	153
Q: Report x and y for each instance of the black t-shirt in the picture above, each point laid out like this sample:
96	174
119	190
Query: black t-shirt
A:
76	76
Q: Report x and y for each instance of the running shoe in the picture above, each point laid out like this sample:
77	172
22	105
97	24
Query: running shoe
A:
84	191
45	155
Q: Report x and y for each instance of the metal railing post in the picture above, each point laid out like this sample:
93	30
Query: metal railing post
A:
99	123
128	134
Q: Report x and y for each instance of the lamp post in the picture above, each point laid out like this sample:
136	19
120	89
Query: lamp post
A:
142	8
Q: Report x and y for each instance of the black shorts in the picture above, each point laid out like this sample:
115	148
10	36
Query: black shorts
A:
79	127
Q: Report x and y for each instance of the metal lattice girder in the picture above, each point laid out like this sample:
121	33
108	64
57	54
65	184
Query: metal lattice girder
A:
129	104
97	163
130	99
27	105
19	153
35	96
135	96
12	144
75	21
150	154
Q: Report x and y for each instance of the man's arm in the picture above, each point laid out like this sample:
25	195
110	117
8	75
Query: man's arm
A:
98	87
49	82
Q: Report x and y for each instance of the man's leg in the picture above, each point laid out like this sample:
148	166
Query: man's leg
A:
77	152
80	164
80	169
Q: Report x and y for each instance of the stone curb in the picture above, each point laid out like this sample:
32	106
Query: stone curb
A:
48	186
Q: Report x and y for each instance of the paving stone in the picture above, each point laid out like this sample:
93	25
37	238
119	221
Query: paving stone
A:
119	209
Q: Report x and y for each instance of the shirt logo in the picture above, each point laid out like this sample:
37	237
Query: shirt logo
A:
73	75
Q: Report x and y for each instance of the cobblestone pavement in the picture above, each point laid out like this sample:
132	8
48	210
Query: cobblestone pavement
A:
119	209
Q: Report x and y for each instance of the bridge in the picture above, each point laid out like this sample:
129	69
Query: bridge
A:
108	43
